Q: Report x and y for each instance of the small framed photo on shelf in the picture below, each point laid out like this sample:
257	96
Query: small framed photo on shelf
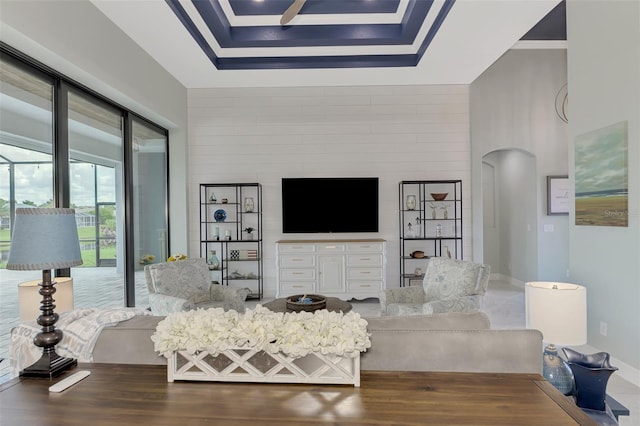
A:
557	195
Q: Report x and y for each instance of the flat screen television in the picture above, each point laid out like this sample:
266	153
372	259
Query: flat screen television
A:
329	205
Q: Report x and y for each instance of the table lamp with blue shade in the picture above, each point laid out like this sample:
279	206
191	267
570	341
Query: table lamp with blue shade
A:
559	311
45	239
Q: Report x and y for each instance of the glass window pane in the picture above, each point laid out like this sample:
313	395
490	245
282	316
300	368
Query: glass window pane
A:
26	173
149	201
97	194
26	134
96	176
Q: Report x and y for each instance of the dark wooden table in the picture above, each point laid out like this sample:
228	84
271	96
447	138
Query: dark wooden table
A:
140	395
333	304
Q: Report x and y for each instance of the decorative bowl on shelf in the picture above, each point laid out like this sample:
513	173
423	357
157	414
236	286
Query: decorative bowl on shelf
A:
306	302
439	196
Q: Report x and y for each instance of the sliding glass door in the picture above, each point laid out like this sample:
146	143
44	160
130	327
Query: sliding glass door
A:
149	195
64	145
26	172
26	145
96	176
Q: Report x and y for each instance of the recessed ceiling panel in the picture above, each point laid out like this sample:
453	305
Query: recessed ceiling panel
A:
410	24
277	7
241	43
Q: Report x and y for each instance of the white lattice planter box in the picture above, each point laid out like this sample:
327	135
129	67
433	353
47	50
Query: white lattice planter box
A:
248	365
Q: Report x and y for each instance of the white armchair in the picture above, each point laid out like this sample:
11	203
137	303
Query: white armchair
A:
186	284
449	285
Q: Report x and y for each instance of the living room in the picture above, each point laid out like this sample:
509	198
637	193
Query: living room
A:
394	132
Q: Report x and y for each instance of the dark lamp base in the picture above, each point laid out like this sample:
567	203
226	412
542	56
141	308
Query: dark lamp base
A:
49	366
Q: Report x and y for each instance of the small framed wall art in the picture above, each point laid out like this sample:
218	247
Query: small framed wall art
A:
557	195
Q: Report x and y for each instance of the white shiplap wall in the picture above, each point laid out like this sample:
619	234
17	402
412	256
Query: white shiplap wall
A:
391	132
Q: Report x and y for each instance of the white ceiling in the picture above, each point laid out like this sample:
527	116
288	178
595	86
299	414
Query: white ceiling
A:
472	36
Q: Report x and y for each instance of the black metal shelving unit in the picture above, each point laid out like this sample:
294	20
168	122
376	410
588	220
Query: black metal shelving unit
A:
226	211
428	225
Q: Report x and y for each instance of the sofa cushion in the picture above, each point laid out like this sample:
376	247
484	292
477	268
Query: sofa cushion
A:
442	342
129	342
446	321
473	351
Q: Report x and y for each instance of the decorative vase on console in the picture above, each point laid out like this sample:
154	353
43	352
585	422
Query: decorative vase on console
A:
410	231
248	204
411	202
433	211
591	374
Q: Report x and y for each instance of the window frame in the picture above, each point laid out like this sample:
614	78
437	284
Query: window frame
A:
62	85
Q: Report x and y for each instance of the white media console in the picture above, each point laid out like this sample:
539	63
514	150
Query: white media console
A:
347	269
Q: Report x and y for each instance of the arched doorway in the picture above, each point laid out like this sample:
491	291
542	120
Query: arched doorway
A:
509	210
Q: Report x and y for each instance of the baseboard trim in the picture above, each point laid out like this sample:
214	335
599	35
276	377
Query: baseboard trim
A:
510	280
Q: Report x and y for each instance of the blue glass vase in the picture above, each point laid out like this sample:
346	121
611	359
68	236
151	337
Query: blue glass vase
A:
556	371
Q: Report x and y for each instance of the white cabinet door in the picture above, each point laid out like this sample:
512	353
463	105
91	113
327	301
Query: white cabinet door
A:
331	274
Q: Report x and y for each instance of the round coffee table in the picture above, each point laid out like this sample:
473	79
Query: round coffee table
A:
333	304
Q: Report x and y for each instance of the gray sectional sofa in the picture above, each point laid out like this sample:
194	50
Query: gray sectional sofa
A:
459	342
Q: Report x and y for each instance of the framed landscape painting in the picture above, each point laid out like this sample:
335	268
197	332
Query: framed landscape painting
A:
601	176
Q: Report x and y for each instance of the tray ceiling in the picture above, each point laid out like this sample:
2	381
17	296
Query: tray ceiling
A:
218	43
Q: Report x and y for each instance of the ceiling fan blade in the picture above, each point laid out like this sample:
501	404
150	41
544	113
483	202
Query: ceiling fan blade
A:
292	11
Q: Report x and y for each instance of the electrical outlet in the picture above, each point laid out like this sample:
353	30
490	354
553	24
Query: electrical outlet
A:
568	273
603	328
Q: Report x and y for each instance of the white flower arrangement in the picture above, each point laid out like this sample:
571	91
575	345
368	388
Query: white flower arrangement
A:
295	334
